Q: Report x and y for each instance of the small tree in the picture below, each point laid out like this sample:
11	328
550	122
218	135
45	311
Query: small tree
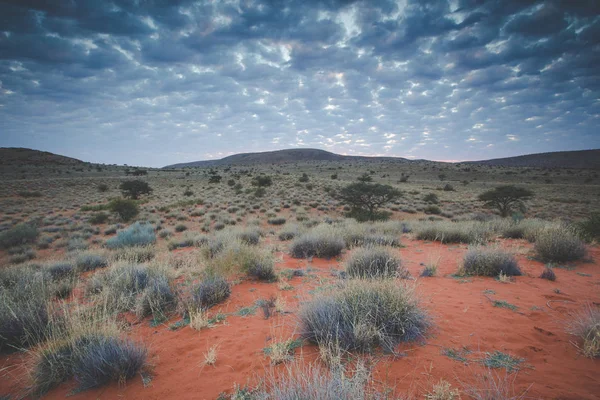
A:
506	199
365	198
126	209
133	189
215	179
262	180
365	178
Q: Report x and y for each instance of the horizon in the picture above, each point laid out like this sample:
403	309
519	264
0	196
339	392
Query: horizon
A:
285	149
172	82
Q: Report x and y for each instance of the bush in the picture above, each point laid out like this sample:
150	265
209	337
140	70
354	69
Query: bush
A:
262	269
289	232
590	228
156	299
18	235
277	221
210	292
137	234
126	209
99	218
375	262
92	359
90	261
490	262
432	210
364	315
431	198
558	245
103	187
180	228
314	244
133	189
60	270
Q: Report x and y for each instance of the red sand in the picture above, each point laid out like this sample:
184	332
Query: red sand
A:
462	313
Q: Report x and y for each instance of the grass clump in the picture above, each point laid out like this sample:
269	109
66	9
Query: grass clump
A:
25	313
498	359
481	261
586	326
281	352
91	352
210	292
364	315
322	241
276	221
558	245
469	232
314	382
230	255
135	287
137	234
373	262
18	235
548	274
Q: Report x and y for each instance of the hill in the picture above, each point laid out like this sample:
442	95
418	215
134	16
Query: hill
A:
278	157
589	159
23	156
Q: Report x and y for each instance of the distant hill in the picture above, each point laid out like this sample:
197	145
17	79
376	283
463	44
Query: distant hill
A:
23	156
561	159
278	157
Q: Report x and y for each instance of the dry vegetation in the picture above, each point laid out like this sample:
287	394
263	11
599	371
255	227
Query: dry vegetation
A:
86	275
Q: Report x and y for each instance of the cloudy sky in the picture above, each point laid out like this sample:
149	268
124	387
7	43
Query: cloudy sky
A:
155	82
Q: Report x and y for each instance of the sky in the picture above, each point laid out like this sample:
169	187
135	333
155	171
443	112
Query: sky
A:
156	82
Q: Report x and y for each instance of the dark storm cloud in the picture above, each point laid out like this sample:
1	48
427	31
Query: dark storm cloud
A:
154	82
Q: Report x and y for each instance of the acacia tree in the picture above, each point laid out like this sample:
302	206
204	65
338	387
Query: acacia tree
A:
366	198
506	199
133	189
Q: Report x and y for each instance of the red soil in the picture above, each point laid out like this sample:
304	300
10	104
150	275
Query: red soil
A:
463	316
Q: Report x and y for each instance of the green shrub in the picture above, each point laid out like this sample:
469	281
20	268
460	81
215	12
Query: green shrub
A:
277	221
18	235
180	228
590	227
432	210
373	262
364	315
126	209
490	262
137	234
134	189
99	218
558	245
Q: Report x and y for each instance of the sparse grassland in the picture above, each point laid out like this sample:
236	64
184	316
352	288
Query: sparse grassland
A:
95	289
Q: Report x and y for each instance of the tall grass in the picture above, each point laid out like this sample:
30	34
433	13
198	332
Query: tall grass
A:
585	324
89	349
25	310
374	262
363	315
493	261
559	245
469	232
321	241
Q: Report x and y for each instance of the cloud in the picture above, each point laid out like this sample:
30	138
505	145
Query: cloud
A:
137	82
